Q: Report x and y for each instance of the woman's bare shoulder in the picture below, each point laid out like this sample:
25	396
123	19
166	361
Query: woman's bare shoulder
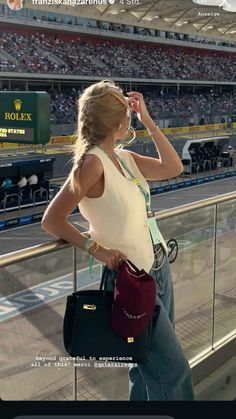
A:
90	171
90	176
91	164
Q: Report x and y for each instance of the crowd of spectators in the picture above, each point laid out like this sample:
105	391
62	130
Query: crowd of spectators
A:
60	19
28	52
38	53
190	105
196	107
63	106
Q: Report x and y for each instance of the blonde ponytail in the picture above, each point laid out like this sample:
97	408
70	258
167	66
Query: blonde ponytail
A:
101	109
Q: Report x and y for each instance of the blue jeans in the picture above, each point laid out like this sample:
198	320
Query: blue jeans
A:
166	374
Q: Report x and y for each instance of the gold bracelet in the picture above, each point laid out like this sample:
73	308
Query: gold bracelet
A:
92	249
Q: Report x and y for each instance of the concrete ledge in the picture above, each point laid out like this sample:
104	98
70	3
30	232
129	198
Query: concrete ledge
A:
220	384
206	365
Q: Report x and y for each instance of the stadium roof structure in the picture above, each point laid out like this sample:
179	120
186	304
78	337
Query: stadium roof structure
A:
208	18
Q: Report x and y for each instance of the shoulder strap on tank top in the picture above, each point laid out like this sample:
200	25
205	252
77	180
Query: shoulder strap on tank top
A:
136	182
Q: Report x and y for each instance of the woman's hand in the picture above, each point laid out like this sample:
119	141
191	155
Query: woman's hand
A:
112	258
137	103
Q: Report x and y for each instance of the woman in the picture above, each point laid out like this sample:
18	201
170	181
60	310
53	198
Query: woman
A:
15	4
103	182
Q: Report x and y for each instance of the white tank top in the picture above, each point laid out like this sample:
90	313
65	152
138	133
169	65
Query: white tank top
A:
118	218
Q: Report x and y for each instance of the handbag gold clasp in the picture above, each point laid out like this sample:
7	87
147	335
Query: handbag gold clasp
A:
89	307
130	340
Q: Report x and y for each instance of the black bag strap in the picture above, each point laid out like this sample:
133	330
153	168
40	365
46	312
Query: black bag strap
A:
103	283
133	266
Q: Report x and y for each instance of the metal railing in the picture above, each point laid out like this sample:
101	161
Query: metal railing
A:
7	196
41	249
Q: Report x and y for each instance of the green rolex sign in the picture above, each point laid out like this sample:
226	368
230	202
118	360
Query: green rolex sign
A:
24	117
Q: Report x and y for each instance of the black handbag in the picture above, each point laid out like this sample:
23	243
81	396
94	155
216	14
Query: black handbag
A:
87	329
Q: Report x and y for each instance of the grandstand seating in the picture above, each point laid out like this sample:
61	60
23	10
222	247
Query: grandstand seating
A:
60	19
117	58
161	106
196	107
74	55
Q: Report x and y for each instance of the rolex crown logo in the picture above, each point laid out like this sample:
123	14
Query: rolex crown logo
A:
17	103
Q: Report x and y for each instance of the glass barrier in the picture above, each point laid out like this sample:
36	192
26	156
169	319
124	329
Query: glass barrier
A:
225	288
33	297
193	276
